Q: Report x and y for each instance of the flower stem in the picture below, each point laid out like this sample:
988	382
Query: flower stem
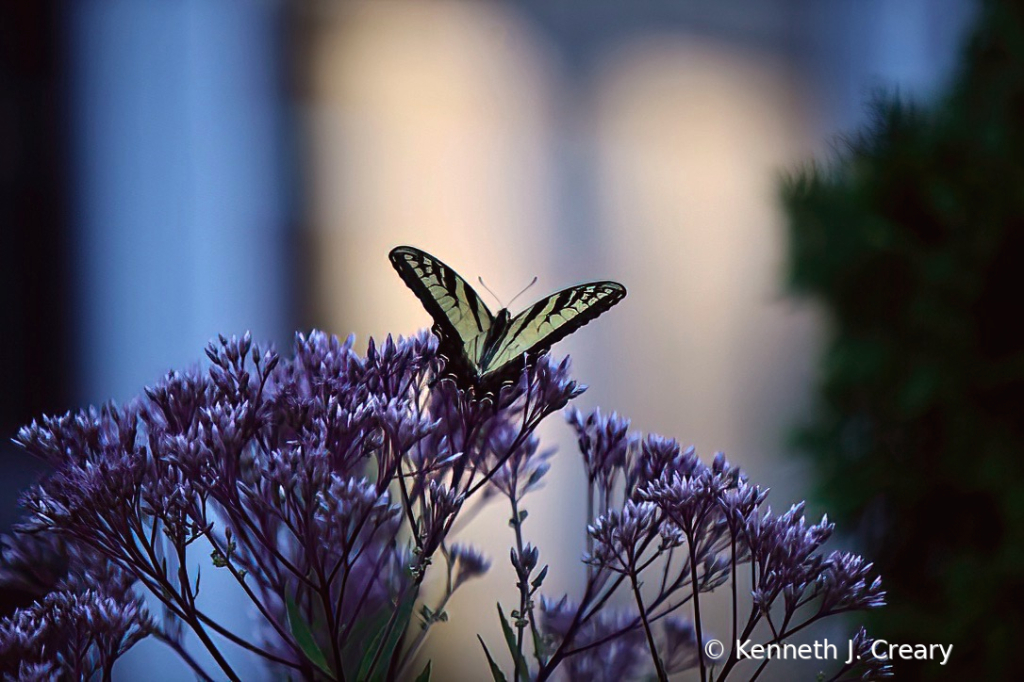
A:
690	539
662	677
525	611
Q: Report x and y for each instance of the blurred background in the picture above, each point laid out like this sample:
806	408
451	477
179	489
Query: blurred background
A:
170	171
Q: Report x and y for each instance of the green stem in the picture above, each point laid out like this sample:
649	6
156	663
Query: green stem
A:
662	676
525	611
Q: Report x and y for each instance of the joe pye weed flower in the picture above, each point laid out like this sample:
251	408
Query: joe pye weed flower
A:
327	486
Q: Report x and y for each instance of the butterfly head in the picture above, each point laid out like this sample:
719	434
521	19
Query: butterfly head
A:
498	327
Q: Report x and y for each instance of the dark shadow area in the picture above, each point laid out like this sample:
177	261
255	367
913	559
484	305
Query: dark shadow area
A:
36	372
914	241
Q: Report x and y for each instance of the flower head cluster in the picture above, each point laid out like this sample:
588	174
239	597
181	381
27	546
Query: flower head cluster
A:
605	443
468	562
687	528
297	476
328	484
620	536
607	647
81	627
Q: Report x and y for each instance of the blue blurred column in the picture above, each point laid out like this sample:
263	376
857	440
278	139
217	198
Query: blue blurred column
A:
179	197
180	205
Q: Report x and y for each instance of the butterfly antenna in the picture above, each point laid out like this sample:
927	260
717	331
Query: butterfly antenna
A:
523	291
491	292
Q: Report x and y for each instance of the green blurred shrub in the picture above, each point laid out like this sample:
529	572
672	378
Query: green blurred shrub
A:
913	239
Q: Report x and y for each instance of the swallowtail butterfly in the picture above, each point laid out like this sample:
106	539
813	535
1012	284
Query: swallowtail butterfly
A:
484	350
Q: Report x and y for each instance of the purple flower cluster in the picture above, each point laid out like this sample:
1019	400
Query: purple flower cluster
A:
330	485
80	627
683	528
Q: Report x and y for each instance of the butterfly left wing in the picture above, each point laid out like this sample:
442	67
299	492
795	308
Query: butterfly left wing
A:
549	320
461	319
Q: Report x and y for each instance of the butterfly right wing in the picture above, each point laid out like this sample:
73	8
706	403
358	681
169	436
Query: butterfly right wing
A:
461	319
549	320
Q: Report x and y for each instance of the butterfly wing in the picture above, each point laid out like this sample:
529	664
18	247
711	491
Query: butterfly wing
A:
549	320
461	319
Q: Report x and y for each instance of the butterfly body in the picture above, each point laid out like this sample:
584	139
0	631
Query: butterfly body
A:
484	350
494	334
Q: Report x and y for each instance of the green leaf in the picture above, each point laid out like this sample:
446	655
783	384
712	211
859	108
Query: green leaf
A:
495	670
386	646
510	640
366	633
370	651
539	580
538	647
425	675
304	636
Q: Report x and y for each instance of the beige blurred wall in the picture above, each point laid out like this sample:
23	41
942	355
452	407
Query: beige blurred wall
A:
430	124
443	125
692	139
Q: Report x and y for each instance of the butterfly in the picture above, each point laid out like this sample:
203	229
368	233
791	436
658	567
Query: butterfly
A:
484	350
